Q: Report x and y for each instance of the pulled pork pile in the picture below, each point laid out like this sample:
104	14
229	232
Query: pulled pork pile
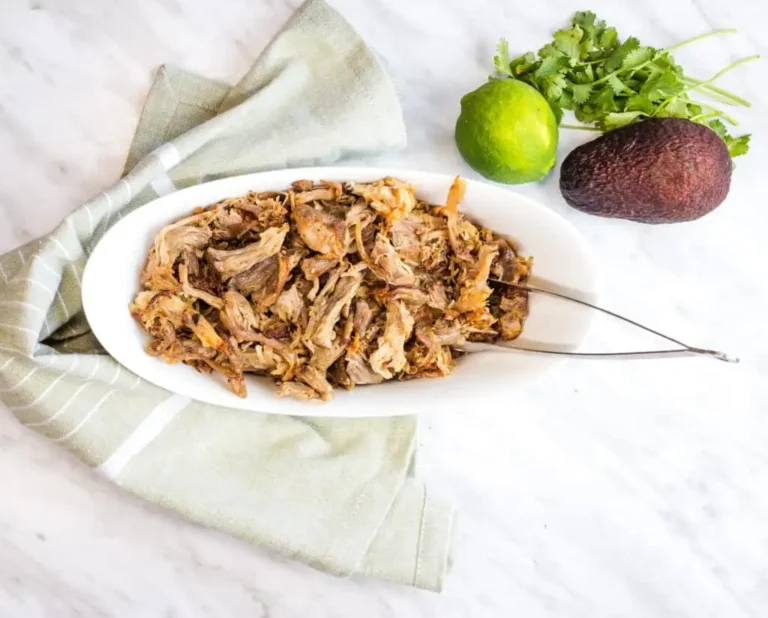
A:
328	285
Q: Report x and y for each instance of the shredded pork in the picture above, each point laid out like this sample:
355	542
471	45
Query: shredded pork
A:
328	285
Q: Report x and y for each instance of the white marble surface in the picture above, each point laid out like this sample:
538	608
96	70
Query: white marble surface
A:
619	489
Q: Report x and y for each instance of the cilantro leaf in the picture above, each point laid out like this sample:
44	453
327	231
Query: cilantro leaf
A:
616	59
501	59
737	146
606	100
523	64
616	84
585	19
718	127
636	57
557	111
583	76
662	86
663	63
609	39
565	101
639	103
553	86
581	92
550	51
616	120
588	22
567	42
551	65
674	108
588	113
694	110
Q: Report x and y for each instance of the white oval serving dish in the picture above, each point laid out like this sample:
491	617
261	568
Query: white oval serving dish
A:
562	262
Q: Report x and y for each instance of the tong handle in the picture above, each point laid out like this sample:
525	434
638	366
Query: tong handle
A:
684	350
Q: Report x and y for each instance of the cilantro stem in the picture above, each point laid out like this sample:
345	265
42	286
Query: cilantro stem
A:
701	117
727	97
730	119
690	87
620	70
706	35
722	72
579	127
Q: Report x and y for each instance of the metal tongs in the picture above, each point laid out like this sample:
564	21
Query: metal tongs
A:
683	350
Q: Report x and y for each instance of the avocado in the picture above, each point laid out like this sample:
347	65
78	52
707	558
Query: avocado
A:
660	170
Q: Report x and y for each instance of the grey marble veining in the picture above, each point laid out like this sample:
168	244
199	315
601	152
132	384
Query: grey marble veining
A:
609	489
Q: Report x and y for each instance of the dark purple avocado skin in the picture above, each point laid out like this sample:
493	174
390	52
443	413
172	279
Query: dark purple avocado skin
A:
661	170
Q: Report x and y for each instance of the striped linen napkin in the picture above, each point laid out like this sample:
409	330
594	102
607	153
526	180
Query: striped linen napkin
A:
338	494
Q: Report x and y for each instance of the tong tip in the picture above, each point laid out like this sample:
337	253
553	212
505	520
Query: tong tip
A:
725	357
722	356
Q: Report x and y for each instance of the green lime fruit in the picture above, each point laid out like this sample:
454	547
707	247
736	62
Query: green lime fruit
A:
507	132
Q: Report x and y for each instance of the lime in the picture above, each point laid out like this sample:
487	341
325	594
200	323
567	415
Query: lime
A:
507	132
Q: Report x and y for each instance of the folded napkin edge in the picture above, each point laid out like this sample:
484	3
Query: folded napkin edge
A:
435	542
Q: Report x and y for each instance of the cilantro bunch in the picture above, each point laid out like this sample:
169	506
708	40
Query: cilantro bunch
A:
608	83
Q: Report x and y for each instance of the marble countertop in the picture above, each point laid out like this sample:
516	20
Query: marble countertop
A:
628	489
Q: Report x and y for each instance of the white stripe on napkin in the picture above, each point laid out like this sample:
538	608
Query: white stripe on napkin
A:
88	416
168	156
162	185
147	431
61	410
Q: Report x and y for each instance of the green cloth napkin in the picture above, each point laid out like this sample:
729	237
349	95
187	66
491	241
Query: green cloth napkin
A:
337	494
